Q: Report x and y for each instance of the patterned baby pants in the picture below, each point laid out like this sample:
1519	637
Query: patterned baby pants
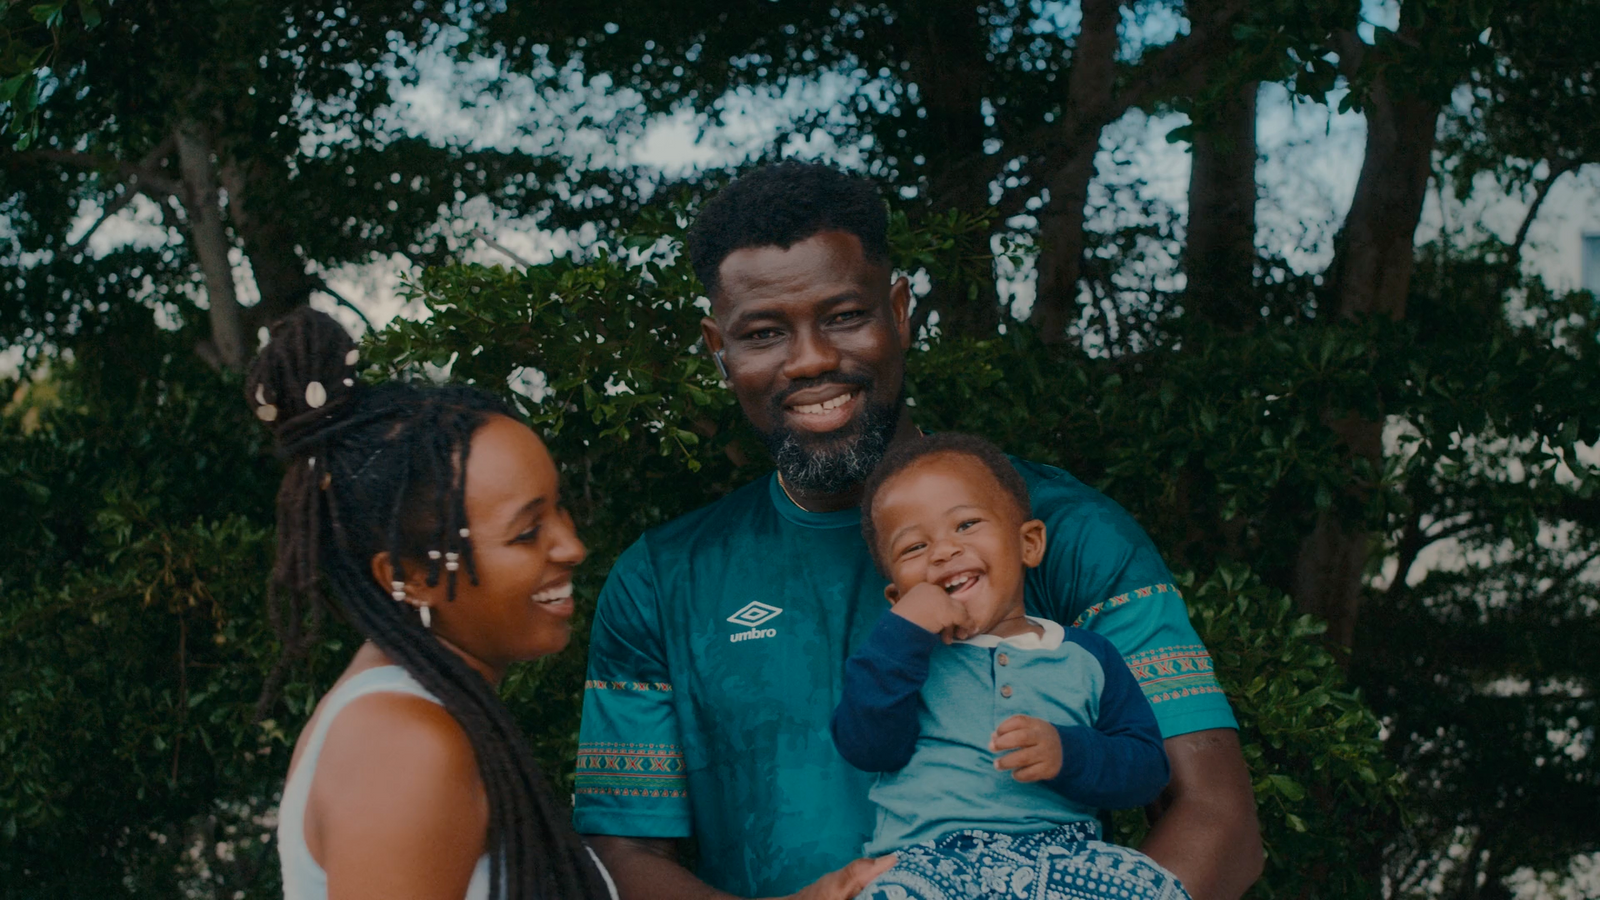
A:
1066	863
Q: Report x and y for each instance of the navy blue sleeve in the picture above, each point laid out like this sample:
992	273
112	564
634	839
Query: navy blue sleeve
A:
875	726
1120	762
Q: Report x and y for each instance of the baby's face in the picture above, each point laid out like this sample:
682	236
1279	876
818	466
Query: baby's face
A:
947	520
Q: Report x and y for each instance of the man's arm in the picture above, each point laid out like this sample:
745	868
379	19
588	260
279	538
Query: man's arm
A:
1205	829
1206	832
648	869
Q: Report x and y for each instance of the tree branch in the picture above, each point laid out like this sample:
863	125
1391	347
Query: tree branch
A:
143	175
1566	577
114	207
1558	168
1176	68
482	235
339	299
1412	541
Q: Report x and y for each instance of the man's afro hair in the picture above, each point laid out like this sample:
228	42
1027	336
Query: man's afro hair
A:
781	205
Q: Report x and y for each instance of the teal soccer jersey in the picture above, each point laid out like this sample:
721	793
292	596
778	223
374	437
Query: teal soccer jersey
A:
718	652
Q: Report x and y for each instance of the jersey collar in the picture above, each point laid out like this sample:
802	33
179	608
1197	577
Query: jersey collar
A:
844	518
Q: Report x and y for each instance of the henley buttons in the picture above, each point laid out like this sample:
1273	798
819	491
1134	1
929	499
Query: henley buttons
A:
1005	691
1003	659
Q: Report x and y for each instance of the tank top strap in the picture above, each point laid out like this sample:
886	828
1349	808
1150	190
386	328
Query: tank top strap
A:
301	873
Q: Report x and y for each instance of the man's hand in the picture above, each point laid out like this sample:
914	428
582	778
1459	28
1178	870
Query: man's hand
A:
847	882
928	607
1037	747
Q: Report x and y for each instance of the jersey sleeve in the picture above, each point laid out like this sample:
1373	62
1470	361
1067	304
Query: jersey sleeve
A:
1101	573
630	773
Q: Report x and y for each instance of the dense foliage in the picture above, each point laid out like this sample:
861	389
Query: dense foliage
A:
1402	442
131	599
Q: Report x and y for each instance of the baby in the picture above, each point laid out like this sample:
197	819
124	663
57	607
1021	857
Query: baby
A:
998	737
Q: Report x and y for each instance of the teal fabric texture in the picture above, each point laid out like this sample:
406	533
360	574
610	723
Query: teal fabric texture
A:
717	657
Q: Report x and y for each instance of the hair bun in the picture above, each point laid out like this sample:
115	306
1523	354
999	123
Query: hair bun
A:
309	363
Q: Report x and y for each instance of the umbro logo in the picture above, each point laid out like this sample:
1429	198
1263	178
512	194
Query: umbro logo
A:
753	615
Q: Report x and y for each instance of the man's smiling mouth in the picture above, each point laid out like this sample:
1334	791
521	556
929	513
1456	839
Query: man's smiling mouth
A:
817	409
826	415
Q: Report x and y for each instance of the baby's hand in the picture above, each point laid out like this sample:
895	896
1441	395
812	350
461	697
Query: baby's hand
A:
928	607
1037	747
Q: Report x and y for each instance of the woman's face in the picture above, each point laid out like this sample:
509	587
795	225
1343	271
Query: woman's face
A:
524	549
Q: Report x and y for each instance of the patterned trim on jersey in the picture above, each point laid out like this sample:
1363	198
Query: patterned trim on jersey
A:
631	770
1122	599
627	686
1173	672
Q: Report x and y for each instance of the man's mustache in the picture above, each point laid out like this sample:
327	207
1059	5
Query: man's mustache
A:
840	378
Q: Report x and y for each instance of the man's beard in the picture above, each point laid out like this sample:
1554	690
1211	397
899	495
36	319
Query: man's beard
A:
839	460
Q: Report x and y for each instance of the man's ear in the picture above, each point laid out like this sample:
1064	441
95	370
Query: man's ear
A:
900	306
712	334
1032	533
891	593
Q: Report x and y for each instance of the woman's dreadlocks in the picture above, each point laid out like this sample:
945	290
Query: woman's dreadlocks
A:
375	469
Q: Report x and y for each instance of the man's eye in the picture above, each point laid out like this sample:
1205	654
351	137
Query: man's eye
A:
762	334
906	551
849	315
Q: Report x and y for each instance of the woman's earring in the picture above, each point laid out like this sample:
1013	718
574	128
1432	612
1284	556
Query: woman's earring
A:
427	616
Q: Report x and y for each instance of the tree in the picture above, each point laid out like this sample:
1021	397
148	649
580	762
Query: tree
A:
251	132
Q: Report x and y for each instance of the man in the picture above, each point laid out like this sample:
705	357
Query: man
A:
719	642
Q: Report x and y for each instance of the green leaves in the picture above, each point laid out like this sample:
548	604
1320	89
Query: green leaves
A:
48	14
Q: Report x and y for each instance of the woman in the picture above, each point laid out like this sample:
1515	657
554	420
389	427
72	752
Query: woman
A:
434	520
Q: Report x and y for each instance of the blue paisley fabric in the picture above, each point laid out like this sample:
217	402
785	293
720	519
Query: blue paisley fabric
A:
1066	863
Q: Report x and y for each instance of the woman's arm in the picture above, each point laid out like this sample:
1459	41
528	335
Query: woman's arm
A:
397	808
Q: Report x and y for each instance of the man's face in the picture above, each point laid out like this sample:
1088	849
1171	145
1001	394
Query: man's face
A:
814	340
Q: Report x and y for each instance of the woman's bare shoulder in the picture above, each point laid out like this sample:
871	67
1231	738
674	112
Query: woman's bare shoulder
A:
397	786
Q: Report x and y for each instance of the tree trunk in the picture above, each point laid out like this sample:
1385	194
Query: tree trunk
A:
1090	86
1372	271
1371	276
946	46
226	348
280	274
1061	241
1220	252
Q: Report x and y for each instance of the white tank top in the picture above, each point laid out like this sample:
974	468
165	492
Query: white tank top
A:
303	879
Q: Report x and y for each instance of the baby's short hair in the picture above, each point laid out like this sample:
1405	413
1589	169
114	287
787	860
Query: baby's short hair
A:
900	457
